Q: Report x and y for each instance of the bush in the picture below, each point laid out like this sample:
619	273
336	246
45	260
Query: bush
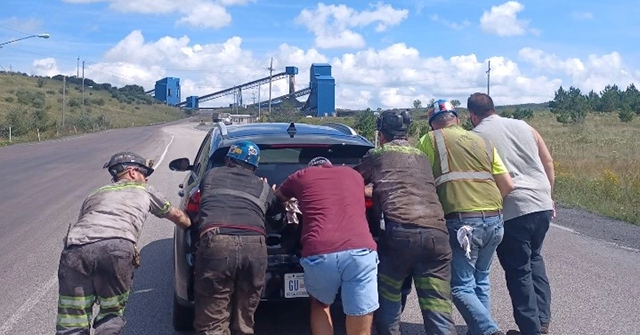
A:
29	98
51	92
366	124
523	114
74	102
98	102
41	81
8	99
19	121
626	115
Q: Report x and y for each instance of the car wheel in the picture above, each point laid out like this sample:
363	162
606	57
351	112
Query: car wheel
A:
182	316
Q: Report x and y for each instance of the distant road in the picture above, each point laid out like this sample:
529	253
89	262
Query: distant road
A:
592	263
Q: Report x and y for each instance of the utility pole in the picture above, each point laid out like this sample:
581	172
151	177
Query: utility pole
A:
64	97
270	80
259	101
253	97
78	68
83	110
488	76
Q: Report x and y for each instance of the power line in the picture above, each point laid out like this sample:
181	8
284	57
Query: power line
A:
15	30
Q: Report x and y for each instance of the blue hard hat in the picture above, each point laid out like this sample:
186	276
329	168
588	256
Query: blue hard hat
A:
441	106
245	151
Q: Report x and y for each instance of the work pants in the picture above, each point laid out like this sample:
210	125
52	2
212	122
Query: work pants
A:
229	279
97	272
520	254
424	254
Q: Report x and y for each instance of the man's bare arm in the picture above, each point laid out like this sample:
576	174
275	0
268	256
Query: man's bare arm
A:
504	183
368	191
179	217
281	196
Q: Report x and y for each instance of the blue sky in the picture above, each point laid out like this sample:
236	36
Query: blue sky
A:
384	54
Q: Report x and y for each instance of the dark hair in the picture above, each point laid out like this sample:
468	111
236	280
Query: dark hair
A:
480	104
231	162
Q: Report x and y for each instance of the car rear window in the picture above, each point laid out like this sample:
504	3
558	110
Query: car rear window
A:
278	162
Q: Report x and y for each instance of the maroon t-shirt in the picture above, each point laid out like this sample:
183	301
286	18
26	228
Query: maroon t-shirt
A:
331	200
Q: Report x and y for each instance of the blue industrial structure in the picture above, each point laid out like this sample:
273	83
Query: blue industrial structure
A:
168	91
321	91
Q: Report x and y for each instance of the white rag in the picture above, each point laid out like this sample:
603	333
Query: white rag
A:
292	209
464	238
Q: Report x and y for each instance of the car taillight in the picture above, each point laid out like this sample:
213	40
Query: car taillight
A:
193	205
368	202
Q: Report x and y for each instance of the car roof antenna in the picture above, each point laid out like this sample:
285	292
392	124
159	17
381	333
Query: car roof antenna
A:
292	130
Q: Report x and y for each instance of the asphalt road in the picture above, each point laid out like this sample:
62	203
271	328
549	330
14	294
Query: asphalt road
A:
592	262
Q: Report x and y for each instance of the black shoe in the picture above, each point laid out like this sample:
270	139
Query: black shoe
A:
513	332
544	328
498	333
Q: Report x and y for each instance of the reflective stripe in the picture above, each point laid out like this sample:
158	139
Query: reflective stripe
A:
489	151
393	297
121	187
397	284
117	301
165	208
432	283
442	151
76	302
451	176
73	321
101	316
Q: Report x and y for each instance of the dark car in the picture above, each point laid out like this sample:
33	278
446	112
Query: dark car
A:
285	148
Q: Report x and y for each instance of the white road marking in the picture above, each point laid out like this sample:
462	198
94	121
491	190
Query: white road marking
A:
27	306
35	298
165	151
564	228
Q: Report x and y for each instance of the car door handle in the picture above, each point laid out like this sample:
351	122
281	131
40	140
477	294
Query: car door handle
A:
181	193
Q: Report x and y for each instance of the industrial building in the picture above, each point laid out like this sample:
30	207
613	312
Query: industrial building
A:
320	92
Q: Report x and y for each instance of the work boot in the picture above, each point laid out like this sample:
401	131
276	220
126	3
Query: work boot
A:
513	332
544	328
498	333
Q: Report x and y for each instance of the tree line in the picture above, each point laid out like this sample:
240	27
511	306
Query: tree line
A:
572	106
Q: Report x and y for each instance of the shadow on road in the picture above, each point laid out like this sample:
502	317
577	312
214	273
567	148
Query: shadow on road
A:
149	310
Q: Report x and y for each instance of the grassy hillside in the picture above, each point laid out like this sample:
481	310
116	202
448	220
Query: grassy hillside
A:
32	104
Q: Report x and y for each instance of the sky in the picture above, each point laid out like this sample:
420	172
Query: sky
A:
382	54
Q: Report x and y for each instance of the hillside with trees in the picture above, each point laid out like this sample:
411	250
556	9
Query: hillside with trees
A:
33	107
572	106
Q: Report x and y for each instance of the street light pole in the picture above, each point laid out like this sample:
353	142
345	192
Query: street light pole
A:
45	36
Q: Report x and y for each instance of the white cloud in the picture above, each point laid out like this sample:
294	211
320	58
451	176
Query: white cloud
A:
503	20
390	77
197	13
450	23
333	24
582	15
593	73
45	67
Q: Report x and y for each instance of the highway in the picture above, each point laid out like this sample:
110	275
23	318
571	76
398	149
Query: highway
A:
592	262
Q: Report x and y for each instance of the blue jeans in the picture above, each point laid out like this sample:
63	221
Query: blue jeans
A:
353	272
470	277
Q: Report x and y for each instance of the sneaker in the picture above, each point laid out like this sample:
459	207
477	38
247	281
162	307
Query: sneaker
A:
513	332
544	328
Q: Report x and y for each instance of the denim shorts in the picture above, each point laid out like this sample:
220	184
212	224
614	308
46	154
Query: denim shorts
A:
354	272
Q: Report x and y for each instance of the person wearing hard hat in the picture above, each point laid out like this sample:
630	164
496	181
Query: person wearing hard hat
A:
471	182
231	259
100	254
528	211
414	241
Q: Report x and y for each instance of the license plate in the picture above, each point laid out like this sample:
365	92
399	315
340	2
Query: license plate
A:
294	286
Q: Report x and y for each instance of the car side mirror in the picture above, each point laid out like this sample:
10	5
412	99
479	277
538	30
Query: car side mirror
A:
180	164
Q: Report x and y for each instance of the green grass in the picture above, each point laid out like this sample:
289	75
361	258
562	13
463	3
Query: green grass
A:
99	104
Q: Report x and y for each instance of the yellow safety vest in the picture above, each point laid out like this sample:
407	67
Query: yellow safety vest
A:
462	171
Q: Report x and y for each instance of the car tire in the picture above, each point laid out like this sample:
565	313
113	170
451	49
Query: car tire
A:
182	316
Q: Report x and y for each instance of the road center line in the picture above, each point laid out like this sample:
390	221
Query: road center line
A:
35	298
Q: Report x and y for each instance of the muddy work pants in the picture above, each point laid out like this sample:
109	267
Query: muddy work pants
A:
229	279
99	272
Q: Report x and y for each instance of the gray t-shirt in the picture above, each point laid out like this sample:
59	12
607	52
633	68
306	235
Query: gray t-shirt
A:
517	145
118	210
